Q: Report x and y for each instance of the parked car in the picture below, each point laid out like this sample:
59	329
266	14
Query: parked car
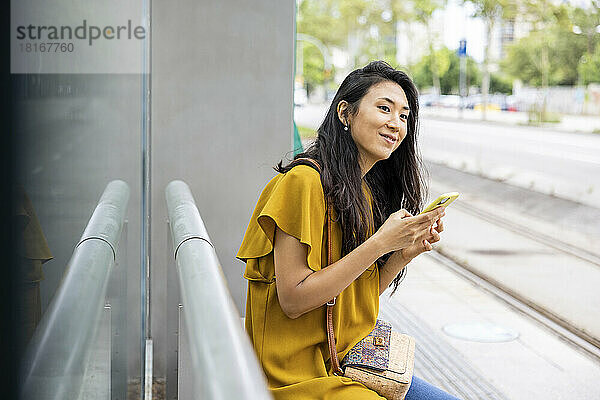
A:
495	102
511	104
490	107
449	101
428	100
472	100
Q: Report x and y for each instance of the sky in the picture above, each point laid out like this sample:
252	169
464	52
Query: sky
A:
458	25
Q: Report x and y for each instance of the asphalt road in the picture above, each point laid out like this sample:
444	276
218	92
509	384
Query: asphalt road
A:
564	164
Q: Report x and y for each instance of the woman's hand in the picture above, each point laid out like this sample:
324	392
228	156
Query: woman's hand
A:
411	252
402	231
401	258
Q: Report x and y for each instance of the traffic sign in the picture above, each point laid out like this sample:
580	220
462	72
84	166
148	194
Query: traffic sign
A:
462	48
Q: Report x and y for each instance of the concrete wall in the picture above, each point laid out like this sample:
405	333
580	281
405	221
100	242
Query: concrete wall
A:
222	82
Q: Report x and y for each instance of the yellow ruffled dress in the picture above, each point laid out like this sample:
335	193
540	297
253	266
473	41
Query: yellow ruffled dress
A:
294	352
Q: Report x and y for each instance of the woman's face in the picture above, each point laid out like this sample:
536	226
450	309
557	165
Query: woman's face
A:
380	124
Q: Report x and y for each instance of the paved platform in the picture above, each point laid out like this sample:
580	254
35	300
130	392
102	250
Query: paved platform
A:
565	285
535	365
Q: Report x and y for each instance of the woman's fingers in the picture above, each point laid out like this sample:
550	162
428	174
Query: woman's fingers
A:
439	225
434	234
431	235
430	217
405	213
435	237
438	228
402	230
429	232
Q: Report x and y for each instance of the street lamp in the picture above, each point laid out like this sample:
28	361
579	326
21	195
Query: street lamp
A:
324	51
319	45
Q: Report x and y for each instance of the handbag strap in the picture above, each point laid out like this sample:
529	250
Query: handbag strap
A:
335	362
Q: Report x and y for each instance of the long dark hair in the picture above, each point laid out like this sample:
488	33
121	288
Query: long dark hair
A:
395	183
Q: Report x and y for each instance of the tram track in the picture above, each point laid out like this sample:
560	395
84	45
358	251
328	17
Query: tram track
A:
522	230
568	332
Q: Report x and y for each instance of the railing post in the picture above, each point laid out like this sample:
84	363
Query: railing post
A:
118	299
218	343
173	330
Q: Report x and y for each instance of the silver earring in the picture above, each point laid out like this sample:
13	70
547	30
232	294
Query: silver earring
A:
345	128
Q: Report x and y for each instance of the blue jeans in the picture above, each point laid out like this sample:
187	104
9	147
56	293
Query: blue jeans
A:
421	390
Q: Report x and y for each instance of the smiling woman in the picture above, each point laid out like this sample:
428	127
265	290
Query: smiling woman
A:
342	230
379	125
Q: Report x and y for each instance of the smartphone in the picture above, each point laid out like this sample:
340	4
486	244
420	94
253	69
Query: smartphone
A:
444	200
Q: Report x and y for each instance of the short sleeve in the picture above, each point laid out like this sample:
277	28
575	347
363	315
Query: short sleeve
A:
295	203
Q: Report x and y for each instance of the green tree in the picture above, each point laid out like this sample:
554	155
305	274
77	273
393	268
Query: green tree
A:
322	20
365	27
343	24
449	63
545	16
536	64
422	12
491	12
585	24
450	79
499	83
313	67
589	68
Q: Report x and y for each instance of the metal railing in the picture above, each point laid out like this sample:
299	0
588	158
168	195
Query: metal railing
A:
58	352
224	363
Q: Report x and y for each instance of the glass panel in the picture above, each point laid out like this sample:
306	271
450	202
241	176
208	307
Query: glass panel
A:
76	133
80	106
